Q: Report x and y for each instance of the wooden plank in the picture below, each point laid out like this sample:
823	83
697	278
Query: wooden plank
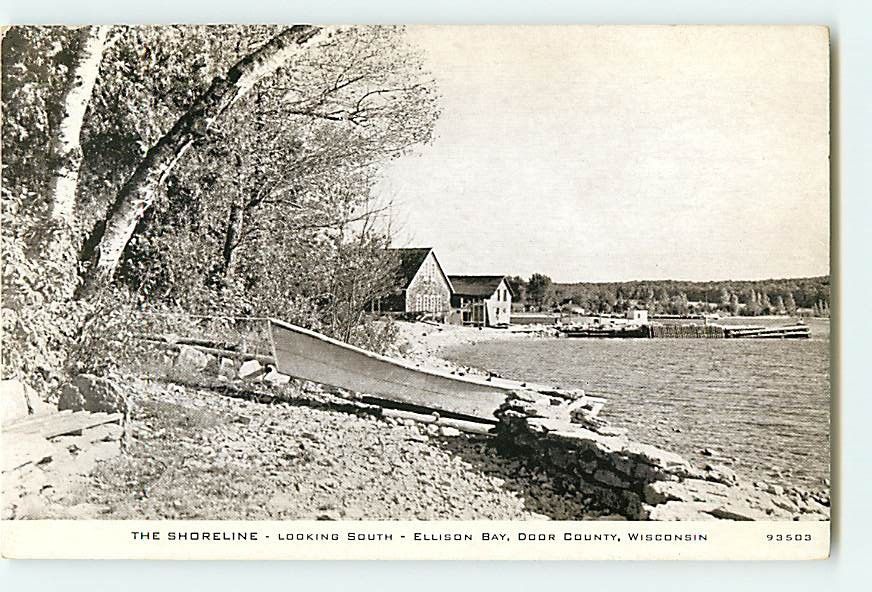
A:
22	449
305	354
65	424
38	418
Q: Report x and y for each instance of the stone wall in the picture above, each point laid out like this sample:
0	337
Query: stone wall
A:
638	481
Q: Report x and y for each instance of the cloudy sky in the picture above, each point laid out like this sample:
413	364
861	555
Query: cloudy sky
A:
618	153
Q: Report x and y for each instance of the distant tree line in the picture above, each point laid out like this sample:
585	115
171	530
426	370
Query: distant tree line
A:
809	296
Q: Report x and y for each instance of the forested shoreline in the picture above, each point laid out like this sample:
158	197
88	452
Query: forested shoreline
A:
808	296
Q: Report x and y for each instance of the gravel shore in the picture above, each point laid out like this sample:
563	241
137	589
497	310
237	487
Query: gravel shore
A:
253	451
197	454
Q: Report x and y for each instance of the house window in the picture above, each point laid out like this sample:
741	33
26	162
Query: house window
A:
417	303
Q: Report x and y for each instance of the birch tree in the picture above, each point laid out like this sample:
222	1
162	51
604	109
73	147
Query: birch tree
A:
66	146
139	192
245	218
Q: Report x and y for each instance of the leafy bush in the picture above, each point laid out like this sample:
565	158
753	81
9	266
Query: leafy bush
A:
378	335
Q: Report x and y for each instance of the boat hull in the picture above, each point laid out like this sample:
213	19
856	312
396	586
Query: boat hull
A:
305	354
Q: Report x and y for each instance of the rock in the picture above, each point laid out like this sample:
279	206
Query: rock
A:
251	369
449	432
190	360
585	438
276	378
675	510
13	401
227	368
774	490
720	474
610	479
92	393
656	457
708	452
738	511
689	490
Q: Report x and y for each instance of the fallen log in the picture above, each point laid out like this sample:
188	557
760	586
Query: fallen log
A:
236	355
470	427
233	346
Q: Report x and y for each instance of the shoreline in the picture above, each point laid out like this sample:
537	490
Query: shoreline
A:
425	344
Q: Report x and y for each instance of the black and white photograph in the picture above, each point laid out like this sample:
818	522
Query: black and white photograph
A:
360	274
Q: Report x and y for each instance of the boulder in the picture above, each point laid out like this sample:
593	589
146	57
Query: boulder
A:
276	378
449	432
656	457
251	369
737	510
191	360
13	401
689	490
227	369
610	479
720	474
774	489
92	393
675	510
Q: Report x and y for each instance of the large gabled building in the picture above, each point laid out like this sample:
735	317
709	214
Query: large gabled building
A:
421	286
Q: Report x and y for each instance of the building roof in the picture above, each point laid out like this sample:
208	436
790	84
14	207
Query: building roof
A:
476	285
411	260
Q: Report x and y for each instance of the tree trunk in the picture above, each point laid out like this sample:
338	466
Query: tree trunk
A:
231	236
67	149
139	192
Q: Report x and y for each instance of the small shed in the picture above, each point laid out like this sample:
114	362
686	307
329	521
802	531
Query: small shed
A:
483	300
637	315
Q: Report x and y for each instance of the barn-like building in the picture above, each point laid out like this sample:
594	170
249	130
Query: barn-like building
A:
421	286
483	300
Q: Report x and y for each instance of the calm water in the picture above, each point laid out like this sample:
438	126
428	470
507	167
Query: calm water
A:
764	405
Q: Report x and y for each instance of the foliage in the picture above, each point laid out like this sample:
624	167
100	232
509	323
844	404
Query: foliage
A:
760	297
540	290
298	156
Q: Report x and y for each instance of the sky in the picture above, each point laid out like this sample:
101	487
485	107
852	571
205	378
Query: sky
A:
621	153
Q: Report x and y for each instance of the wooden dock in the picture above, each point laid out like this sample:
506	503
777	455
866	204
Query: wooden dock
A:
658	331
688	331
754	332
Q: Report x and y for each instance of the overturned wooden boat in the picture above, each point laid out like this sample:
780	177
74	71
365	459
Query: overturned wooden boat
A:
305	354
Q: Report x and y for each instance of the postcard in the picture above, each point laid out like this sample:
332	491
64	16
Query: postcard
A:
416	292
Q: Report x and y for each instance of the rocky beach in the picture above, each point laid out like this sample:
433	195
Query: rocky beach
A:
229	449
